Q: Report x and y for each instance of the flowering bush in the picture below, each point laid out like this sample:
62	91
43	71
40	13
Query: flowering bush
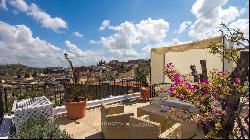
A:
159	89
180	88
210	97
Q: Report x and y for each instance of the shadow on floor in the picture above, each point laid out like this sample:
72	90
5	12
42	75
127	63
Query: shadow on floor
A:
132	102
64	120
95	136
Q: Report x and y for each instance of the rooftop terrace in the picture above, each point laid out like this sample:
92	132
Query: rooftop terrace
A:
89	127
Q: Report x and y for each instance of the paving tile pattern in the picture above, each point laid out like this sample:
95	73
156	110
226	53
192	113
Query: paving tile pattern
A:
89	127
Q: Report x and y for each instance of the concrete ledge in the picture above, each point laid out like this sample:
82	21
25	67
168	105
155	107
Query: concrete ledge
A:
60	110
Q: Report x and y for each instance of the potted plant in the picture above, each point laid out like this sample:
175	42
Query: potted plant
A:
131	92
140	75
75	102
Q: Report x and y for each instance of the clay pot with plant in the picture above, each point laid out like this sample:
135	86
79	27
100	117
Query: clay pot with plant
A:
140	75
75	99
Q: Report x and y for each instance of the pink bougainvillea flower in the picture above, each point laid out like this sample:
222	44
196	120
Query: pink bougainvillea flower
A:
206	122
218	113
172	89
237	80
193	89
204	82
226	109
181	96
177	81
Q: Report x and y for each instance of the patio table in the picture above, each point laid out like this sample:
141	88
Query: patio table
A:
167	119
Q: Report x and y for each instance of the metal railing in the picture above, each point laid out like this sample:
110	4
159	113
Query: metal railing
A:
55	94
1	107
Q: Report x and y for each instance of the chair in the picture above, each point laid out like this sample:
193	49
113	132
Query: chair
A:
114	122
142	128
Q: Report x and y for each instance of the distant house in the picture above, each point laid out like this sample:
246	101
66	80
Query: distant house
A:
115	63
2	72
29	79
93	76
83	79
52	70
132	61
128	74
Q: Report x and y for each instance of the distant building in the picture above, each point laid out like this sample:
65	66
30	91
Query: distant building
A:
52	70
101	63
128	74
83	79
115	63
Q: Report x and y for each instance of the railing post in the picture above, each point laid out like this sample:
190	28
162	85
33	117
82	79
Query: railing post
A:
6	100
26	89
112	86
108	88
121	87
55	97
127	85
88	84
136	85
60	98
20	93
1	106
44	88
152	91
95	89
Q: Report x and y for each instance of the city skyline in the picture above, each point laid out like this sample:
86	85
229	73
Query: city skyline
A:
38	33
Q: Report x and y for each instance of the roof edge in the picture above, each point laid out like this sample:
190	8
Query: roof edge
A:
188	46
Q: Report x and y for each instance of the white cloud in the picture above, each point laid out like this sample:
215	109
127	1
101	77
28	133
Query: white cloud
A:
154	30
77	34
184	25
209	15
230	14
45	19
20	5
128	35
147	49
3	4
105	24
80	57
74	49
243	25
18	45
39	15
92	42
243	11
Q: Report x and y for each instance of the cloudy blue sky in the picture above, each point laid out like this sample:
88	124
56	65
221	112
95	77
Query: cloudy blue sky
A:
39	32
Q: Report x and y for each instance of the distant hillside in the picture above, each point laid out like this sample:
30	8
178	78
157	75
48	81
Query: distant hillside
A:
9	71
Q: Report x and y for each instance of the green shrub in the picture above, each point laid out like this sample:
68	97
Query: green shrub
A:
40	128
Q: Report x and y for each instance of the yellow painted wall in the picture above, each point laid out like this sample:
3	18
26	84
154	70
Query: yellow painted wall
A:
183	60
157	67
182	56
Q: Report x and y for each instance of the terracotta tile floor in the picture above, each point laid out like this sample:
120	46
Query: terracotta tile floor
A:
89	127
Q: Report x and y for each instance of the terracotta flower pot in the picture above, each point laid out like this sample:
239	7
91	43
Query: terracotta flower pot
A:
145	94
76	110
